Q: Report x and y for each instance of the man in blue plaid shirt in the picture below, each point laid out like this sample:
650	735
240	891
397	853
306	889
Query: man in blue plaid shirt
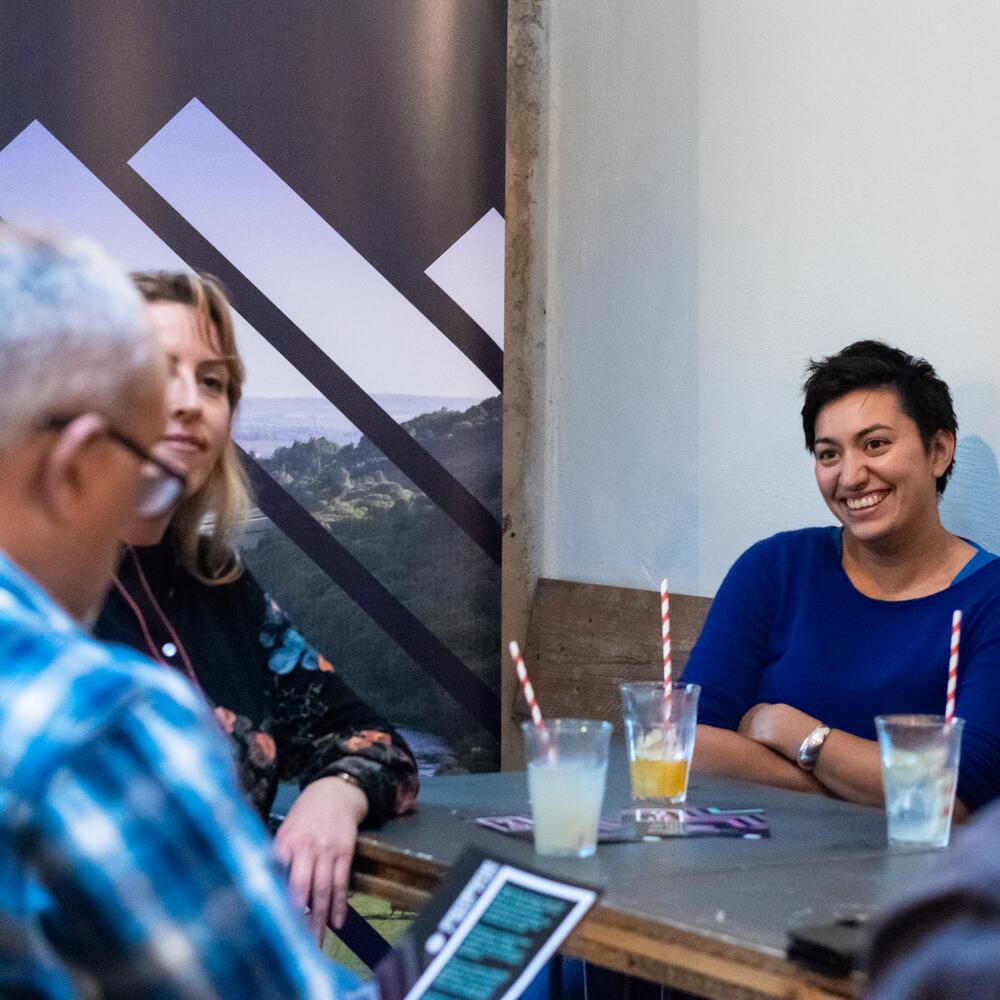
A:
129	864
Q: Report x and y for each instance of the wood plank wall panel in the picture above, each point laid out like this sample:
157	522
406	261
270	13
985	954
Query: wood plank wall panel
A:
585	639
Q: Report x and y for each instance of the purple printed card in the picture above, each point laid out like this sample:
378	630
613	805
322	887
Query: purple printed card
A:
750	824
648	823
608	831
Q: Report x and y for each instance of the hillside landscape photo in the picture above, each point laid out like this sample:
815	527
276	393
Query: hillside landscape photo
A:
416	552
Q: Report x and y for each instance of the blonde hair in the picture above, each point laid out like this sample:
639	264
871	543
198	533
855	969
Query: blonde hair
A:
225	495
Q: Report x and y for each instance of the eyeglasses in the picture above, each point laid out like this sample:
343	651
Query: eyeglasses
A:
161	487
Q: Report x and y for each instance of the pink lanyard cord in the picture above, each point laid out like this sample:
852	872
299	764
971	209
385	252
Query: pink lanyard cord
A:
143	625
150	645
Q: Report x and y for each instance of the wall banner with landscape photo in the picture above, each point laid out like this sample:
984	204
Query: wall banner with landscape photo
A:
340	167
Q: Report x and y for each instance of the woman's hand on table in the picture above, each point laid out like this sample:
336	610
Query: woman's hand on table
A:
316	841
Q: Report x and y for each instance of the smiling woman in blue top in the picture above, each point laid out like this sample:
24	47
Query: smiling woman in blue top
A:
815	632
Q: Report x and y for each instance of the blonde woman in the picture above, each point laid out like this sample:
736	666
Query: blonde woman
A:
183	598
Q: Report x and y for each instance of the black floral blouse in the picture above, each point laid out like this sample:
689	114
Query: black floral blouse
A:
288	713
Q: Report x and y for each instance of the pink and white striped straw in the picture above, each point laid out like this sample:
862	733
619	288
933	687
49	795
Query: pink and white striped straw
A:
529	691
665	632
956	637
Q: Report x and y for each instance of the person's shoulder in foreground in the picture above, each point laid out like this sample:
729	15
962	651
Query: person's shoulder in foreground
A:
133	861
943	942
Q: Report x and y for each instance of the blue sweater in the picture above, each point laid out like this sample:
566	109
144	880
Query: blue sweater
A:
788	626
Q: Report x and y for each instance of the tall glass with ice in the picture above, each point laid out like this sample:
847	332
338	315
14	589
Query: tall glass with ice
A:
567	767
920	755
660	739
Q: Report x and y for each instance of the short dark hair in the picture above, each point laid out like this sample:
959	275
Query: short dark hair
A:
870	364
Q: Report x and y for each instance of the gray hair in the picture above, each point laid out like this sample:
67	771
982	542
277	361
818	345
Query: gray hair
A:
74	337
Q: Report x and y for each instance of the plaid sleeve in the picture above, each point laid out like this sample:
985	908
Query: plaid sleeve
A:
160	878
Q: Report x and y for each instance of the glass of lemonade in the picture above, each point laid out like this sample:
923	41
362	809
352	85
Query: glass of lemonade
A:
920	755
660	745
567	767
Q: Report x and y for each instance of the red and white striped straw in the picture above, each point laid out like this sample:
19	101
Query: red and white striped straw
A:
665	632
956	637
529	691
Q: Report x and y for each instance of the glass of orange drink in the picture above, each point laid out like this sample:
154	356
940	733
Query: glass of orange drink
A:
660	735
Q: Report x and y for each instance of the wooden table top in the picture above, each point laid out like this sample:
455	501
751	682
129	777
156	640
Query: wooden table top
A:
707	915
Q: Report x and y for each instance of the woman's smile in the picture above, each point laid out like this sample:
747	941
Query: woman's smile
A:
866	501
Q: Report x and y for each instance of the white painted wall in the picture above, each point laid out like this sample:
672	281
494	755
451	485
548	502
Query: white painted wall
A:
735	186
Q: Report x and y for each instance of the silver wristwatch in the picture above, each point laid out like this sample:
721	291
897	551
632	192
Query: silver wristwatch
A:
811	746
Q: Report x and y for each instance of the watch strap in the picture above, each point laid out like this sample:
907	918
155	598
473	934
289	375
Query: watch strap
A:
349	778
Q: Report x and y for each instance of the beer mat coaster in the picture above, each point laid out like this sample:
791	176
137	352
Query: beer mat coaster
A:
608	831
654	823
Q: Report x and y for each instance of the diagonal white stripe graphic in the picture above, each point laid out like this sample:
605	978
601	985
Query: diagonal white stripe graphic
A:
471	272
42	183
300	262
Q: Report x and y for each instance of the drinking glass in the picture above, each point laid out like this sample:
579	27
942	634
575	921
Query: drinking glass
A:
567	766
660	743
920	755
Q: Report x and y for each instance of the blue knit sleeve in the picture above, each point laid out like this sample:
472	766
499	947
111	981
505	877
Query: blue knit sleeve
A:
978	695
733	648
